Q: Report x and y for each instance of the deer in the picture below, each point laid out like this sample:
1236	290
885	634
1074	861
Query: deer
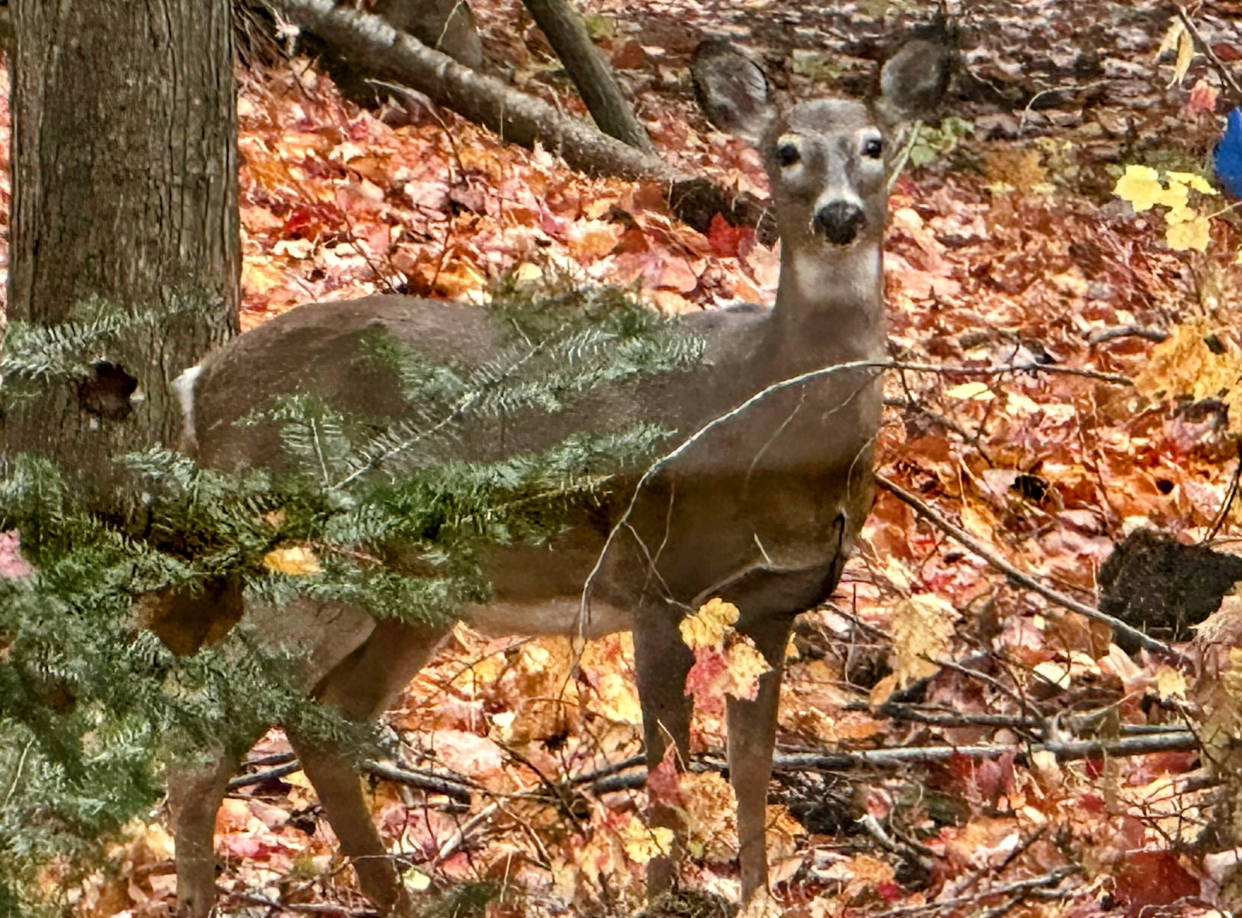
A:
761	511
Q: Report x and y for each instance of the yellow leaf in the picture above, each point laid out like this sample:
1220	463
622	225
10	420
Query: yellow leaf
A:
1140	186
882	691
1184	235
745	664
1197	182
615	695
922	629
1176	197
294	560
1183	364
1053	673
976	391
415	880
711	816
642	843
1185	52
706	627
1170	683
1171	37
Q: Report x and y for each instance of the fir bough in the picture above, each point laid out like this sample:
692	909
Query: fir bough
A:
93	706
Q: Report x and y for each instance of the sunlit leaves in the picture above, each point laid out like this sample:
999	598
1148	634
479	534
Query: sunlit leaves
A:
1144	188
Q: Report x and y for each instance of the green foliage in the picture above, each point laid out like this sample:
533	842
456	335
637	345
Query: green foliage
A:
562	347
933	142
93	706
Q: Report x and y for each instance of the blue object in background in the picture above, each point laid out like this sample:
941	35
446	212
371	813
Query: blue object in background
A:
1228	156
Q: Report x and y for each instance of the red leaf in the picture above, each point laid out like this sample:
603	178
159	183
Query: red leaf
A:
1202	99
1147	878
12	565
889	891
725	239
630	56
704	679
664	781
1227	52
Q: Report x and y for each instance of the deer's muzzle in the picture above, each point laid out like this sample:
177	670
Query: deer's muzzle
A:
839	222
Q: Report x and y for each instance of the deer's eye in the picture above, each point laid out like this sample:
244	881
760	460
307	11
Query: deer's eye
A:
787	153
873	148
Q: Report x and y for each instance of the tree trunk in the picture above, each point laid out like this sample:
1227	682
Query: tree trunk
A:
590	72
446	25
125	193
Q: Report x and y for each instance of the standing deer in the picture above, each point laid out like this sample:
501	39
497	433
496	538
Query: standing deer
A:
761	510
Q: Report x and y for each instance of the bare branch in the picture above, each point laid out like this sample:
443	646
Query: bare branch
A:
926	511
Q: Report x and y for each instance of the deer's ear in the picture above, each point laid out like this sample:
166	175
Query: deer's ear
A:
913	80
733	91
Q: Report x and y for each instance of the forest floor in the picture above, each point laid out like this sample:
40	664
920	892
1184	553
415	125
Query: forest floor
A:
1006	249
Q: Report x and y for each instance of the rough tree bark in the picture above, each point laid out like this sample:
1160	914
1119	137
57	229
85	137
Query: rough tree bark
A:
125	191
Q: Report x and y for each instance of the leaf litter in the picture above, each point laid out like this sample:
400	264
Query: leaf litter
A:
1013	254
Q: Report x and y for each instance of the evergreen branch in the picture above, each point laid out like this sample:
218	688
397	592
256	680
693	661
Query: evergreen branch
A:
40	353
458	410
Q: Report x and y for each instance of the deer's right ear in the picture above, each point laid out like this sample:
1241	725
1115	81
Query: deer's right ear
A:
732	89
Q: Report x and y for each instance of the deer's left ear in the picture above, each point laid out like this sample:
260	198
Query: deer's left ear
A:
914	79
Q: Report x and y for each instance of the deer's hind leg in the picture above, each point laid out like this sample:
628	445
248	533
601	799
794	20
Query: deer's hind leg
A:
362	687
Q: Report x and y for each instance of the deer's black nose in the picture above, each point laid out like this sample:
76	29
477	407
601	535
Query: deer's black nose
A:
839	221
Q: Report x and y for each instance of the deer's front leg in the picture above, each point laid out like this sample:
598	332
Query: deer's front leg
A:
768	599
661	662
752	736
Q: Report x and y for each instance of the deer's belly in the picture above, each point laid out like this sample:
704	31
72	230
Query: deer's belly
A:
548	617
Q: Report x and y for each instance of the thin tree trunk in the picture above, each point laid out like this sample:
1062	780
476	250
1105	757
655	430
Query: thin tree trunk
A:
125	192
589	71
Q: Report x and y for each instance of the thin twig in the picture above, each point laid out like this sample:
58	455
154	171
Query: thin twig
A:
1051	878
1126	331
598	774
920	855
261	777
901	711
422	780
1064	750
1207	52
935	518
849	760
899	165
263	761
1230	496
304	908
1030	105
17	775
451	847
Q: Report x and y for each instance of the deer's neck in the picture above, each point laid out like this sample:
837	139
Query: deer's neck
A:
827	311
